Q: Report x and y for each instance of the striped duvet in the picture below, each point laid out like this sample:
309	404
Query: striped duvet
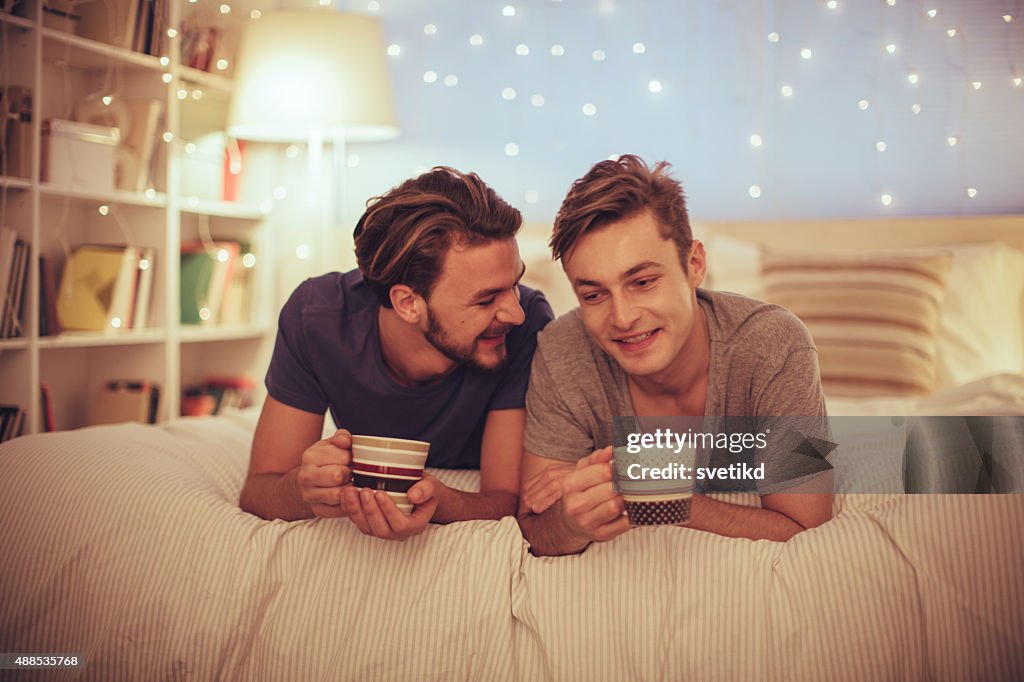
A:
125	544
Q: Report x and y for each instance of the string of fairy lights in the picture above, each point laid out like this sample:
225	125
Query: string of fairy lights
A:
900	56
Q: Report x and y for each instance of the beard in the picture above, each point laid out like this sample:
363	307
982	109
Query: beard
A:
465	354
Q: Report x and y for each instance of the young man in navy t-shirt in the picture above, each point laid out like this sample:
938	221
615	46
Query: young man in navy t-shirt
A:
431	338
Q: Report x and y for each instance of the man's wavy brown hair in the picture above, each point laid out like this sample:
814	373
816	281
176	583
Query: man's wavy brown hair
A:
404	235
618	189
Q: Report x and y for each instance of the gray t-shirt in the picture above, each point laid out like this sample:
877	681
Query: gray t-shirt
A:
762	363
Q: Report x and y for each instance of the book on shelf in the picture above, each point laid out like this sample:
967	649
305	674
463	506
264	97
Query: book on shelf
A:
205	273
144	290
125	400
8	244
47	406
10	321
16	138
14	262
49	323
12	420
237	304
98	288
217	394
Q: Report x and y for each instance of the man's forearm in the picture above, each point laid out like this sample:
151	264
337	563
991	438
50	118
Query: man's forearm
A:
457	505
274	496
736	521
548	535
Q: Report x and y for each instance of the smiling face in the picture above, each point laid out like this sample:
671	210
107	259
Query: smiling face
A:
474	304
636	301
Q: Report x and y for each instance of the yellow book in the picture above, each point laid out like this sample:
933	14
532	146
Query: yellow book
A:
97	285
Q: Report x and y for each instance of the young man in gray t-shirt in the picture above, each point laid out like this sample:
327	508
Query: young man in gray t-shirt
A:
645	341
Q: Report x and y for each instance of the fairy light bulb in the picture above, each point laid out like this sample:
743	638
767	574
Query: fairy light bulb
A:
394	50
511	149
1016	81
1007	18
639	48
508	11
589	109
863	105
805	53
976	85
880	146
430	29
451	80
103	209
915	108
891	48
773	37
786	91
832	4
522	50
951	32
476	40
972	192
886	199
508	94
754	192
952	140
654	86
537	100
598	55
932	13
557	50
755	140
912	78
429	76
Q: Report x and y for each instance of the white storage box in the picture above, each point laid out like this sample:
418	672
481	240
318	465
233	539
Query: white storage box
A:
79	156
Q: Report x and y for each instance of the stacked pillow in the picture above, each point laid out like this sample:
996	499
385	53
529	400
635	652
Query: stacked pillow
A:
891	323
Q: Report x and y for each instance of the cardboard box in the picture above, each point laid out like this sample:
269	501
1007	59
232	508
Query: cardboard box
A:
79	156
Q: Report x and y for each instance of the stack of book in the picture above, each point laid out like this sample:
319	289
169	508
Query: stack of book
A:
217	394
14	259
105	288
216	283
12	419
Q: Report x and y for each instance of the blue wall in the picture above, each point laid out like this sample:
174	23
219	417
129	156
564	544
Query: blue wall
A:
721	78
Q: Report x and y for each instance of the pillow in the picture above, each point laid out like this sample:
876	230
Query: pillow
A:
874	317
981	329
733	265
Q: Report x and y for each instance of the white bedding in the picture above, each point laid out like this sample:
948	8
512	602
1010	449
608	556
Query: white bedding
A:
125	544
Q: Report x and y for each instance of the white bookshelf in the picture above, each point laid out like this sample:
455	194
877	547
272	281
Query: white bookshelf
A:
61	68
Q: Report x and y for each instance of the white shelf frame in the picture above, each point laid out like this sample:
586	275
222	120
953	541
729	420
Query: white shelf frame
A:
51	46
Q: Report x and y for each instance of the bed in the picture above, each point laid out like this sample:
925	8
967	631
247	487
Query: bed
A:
124	544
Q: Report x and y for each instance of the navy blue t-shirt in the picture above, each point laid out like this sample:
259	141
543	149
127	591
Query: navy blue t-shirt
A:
327	355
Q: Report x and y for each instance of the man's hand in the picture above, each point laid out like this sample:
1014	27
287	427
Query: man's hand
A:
544	489
374	513
591	510
325	469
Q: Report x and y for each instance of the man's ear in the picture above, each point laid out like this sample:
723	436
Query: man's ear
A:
696	264
409	305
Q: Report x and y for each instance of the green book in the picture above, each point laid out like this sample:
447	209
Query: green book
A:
196	274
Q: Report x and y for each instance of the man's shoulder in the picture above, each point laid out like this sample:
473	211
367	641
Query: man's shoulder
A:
334	292
756	325
564	333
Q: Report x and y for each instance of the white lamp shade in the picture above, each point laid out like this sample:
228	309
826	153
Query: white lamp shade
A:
312	72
